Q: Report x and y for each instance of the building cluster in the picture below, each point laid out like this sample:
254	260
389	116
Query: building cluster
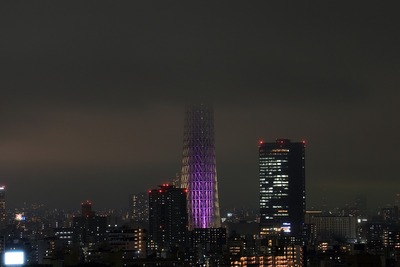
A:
180	223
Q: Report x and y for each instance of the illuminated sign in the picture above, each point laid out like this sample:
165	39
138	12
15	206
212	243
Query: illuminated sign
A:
14	258
286	227
19	217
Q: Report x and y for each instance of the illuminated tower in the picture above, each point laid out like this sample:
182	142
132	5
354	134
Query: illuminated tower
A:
199	173
282	186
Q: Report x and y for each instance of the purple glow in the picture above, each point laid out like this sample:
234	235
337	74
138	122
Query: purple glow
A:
199	168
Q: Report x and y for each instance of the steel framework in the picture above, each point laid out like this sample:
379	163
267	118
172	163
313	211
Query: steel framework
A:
199	173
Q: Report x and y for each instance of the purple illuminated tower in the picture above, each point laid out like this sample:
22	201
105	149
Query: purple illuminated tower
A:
199	173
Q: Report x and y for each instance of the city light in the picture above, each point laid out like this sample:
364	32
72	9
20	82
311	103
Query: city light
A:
14	258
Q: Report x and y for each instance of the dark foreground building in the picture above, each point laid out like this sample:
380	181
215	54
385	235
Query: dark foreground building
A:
167	218
89	229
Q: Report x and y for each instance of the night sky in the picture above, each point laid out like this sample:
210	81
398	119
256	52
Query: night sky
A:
93	95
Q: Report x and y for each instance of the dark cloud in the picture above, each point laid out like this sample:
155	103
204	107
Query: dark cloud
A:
93	92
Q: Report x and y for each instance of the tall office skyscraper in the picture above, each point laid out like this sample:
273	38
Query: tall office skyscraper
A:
167	217
282	186
199	173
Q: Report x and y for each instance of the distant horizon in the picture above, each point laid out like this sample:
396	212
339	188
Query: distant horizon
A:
331	207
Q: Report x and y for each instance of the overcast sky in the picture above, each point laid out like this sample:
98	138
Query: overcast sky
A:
93	94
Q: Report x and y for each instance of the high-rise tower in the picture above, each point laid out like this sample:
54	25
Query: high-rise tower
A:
167	217
199	173
282	186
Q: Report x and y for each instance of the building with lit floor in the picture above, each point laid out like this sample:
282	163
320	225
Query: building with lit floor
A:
282	187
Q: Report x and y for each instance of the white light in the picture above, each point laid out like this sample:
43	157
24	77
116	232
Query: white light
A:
14	258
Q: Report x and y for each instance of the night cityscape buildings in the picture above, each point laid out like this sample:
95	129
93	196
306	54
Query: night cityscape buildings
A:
199	174
139	209
282	186
329	226
91	107
89	228
167	218
155	230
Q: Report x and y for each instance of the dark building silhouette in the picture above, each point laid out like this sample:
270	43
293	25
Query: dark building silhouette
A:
205	241
87	209
139	210
390	214
167	217
282	186
131	241
89	228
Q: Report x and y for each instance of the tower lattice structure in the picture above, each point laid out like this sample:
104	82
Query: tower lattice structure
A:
199	173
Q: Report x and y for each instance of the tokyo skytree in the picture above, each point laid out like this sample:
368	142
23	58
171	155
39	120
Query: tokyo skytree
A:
199	173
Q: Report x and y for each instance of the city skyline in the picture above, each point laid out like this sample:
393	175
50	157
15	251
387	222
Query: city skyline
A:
93	95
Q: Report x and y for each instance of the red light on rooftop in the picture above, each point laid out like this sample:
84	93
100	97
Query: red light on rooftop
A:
160	191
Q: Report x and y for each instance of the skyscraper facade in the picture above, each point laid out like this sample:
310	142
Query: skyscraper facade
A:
167	217
199	173
282	186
